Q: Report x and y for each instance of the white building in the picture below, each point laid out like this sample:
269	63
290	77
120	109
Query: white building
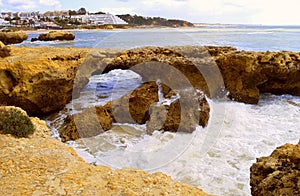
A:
100	19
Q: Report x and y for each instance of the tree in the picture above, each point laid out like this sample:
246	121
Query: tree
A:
81	11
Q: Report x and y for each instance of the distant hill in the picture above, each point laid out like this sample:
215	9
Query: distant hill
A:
154	21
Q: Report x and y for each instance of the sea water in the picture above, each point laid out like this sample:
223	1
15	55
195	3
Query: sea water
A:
216	158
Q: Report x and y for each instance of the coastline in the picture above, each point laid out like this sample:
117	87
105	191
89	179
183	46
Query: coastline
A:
59	64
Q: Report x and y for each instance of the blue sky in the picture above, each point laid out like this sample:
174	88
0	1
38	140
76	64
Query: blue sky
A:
209	11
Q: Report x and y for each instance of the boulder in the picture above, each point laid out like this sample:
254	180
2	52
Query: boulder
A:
4	50
55	35
277	174
138	106
13	37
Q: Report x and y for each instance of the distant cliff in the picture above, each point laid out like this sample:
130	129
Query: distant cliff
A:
155	21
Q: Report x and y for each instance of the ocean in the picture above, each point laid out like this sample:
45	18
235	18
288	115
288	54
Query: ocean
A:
216	158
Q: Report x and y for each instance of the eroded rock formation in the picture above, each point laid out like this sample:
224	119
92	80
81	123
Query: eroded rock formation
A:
277	174
55	35
53	73
182	112
39	80
13	37
41	165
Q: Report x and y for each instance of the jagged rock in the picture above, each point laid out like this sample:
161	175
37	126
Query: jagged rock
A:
183	114
180	113
41	165
4	50
13	37
277	174
55	35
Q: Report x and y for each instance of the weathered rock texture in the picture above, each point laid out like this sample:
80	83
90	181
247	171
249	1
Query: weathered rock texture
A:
13	37
42	165
41	80
183	114
277	174
55	35
4	50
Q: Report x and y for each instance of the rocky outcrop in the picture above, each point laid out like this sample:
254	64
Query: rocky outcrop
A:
55	35
247	74
177	112
277	174
53	73
4	50
13	37
41	165
39	80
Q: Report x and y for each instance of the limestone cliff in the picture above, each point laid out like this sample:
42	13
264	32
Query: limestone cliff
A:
277	174
41	165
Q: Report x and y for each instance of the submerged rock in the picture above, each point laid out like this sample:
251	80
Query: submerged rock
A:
277	174
55	35
13	37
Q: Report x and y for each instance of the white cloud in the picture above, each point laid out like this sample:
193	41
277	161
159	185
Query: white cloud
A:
1	3
22	4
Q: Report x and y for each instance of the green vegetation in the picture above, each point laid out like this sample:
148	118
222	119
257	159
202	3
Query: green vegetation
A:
154	21
15	122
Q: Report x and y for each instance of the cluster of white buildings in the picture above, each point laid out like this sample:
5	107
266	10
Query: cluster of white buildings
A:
46	20
99	19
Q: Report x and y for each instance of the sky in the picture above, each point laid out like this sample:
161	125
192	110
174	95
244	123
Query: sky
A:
269	12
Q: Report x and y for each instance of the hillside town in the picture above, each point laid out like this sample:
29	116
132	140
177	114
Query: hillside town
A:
58	19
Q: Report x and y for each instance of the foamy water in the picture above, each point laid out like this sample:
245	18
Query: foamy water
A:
217	158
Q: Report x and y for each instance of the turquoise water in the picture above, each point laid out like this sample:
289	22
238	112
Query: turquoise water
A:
256	38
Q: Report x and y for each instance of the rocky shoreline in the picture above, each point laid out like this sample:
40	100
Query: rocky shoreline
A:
43	80
41	165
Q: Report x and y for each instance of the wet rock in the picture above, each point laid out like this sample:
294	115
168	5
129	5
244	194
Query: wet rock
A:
55	35
4	50
277	174
138	106
182	114
90	122
13	37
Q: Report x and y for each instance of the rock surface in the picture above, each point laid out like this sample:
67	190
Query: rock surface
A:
39	80
277	174
13	37
4	50
182	114
55	35
42	165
